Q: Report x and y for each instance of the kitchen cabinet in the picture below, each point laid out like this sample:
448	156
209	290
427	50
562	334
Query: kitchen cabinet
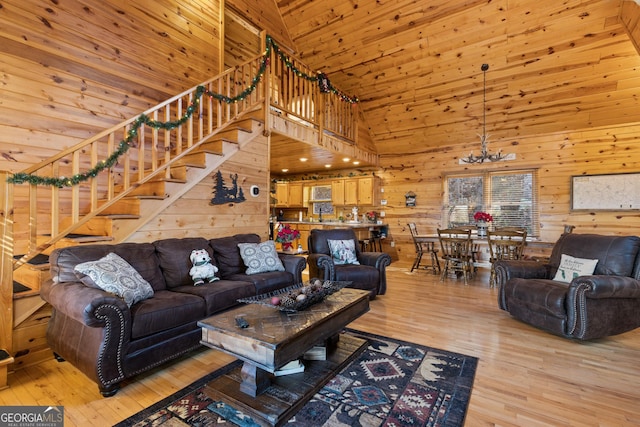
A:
295	194
337	192
366	191
360	191
289	194
350	192
282	194
304	230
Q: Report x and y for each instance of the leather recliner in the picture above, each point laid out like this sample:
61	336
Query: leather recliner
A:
594	306
370	275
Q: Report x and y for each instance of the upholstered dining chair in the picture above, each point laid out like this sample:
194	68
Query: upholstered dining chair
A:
455	244
334	254
422	246
505	244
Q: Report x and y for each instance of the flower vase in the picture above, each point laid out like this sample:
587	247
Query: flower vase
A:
287	246
482	229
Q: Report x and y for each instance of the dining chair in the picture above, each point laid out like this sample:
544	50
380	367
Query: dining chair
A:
422	246
455	244
505	244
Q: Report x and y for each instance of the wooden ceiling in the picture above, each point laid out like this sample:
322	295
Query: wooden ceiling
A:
554	65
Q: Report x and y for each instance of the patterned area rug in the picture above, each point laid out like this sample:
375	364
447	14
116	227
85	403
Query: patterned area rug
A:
392	383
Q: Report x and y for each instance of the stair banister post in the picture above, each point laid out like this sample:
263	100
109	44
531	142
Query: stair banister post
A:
6	263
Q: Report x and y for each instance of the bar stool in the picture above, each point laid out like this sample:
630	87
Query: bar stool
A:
374	240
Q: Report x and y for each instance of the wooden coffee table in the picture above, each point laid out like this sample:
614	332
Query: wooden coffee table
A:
274	338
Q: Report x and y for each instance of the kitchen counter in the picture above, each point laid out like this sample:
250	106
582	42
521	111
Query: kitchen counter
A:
337	224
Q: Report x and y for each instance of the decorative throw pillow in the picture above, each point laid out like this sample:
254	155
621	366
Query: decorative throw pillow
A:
343	251
571	267
113	274
260	257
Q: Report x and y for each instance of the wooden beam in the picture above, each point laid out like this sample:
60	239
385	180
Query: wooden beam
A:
630	18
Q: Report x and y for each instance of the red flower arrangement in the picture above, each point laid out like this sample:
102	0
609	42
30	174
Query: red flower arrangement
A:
482	217
286	234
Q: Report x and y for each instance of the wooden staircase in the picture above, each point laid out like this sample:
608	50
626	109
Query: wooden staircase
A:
115	224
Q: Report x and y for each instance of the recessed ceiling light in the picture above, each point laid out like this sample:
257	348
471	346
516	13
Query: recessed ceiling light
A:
356	162
285	170
303	159
327	166
346	159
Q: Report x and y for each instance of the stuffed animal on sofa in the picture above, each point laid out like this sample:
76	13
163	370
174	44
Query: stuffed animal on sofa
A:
202	270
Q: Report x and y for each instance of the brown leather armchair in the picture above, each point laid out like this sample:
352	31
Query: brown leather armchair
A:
370	275
590	306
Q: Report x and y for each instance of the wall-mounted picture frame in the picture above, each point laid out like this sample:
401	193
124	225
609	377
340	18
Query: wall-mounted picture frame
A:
605	192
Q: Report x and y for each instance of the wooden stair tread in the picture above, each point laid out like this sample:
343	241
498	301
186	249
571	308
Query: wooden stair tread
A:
85	238
36	261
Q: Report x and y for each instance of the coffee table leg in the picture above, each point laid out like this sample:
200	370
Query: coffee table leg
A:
254	380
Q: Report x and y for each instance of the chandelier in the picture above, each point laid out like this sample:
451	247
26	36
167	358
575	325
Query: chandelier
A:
485	155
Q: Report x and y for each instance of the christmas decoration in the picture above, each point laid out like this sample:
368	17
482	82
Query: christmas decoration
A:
124	145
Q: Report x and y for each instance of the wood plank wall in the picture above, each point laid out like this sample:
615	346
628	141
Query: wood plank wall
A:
192	215
72	69
557	156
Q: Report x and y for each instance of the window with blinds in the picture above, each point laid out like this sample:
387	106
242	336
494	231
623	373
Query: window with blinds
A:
510	197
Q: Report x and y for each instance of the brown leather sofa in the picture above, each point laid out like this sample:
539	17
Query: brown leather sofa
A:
369	275
109	341
590	306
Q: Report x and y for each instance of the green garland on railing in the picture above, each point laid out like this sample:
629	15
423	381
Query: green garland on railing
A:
143	119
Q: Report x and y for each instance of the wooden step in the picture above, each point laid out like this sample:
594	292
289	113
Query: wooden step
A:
125	206
31	317
216	146
28	277
196	159
99	226
72	240
151	188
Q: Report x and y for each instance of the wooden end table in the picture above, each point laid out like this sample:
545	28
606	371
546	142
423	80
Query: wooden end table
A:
273	339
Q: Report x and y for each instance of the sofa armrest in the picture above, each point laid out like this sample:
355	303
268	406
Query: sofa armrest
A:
91	329
379	260
586	316
523	269
598	287
506	270
295	265
321	266
81	302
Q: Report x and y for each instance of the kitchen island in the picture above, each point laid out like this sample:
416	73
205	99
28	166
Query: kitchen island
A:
365	231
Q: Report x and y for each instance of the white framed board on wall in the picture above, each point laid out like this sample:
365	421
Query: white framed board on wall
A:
606	192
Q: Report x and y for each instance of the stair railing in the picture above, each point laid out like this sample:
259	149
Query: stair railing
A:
84	180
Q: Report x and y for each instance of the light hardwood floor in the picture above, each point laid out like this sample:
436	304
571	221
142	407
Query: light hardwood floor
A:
525	377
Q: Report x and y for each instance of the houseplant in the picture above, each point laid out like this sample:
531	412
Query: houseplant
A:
482	222
286	236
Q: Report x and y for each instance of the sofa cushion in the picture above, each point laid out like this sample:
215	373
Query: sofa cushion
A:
166	310
227	254
113	274
343	251
141	256
173	255
219	295
266	282
260	257
571	267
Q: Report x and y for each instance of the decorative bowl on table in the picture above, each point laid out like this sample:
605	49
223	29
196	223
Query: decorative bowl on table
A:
299	297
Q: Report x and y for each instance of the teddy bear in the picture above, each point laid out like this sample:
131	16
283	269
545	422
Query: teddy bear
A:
202	269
